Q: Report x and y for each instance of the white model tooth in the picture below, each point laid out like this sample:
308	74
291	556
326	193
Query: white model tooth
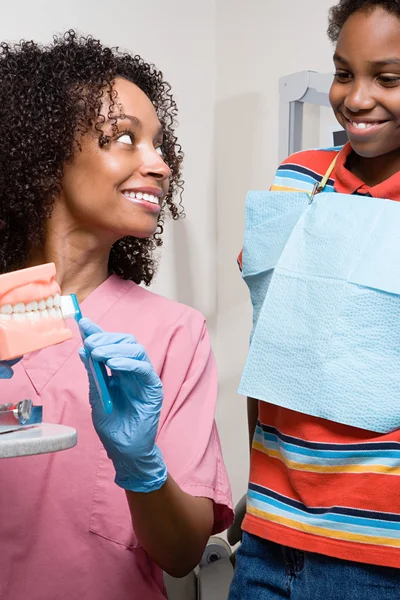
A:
6	309
33	315
18	316
4	317
50	302
19	307
52	313
139	195
58	313
57	300
44	314
32	306
42	305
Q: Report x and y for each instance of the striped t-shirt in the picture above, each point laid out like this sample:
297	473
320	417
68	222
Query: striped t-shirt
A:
317	485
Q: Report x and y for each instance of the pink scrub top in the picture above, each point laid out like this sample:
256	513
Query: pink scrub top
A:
65	526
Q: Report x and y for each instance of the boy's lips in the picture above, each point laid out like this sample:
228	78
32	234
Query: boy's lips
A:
363	127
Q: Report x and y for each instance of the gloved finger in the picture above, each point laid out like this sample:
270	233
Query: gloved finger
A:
87	327
92	385
84	357
99	416
106	339
122	350
143	370
6	371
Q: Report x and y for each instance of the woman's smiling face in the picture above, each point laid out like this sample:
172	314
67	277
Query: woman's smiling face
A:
117	189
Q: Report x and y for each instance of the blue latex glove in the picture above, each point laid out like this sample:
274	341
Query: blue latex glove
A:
129	432
6	371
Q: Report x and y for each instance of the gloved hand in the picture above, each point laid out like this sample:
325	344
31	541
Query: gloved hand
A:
6	371
129	432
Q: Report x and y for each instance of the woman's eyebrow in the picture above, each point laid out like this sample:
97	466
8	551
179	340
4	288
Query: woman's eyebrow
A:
138	123
135	121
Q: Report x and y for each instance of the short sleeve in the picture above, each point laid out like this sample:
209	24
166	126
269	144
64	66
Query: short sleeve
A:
188	436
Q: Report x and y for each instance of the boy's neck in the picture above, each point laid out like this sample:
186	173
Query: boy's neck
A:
373	171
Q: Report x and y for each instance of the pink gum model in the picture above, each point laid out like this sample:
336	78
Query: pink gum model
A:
30	313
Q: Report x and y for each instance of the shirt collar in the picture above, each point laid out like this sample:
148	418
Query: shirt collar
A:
348	183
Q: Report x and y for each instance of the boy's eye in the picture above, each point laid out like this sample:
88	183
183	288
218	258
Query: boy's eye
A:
125	138
389	80
342	76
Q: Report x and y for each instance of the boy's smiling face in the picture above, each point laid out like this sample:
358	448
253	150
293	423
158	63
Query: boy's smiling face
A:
365	94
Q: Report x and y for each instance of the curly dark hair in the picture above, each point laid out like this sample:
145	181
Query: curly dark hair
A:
339	13
49	95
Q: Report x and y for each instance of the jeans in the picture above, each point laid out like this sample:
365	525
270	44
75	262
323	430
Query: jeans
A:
268	571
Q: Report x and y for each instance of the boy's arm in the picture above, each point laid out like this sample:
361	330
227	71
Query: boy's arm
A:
252	417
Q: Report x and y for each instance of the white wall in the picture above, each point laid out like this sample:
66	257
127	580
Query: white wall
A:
258	42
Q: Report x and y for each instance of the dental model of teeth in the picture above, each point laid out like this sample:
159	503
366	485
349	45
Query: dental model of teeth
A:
140	196
31	316
48	308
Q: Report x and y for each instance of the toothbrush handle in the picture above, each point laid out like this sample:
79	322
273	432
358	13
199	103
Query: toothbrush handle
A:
100	377
98	369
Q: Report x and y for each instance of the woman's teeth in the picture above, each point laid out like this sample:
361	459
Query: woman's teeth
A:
34	311
141	196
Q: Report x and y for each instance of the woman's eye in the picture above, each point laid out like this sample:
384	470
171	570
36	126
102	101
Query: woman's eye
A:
125	138
160	151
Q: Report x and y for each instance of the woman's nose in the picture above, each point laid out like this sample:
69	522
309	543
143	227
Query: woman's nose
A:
153	163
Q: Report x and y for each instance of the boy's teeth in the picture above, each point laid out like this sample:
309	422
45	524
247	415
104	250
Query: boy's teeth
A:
34	311
363	125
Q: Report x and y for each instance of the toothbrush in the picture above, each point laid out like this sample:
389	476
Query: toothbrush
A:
70	309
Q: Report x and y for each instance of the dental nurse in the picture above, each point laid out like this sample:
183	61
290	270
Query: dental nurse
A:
89	167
